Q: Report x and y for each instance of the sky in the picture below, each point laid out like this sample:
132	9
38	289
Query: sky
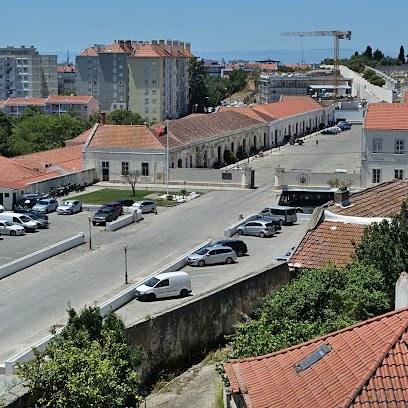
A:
233	29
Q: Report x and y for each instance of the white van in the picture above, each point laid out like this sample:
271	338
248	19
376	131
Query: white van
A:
285	215
20	219
164	285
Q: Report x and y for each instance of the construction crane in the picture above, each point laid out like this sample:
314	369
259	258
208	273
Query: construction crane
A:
338	35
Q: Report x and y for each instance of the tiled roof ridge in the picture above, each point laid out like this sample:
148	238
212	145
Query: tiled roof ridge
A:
324	337
376	363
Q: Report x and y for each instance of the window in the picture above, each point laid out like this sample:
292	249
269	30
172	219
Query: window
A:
399	147
105	165
399	174
154	110
163	283
154	118
146	101
125	167
154	100
154	82
146	110
376	175
154	91
146	82
145	169
154	72
377	145
153	63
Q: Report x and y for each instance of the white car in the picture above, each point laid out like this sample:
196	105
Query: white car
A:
69	207
46	205
145	205
8	228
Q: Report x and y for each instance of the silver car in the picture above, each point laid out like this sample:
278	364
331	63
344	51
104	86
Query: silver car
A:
69	207
8	228
212	255
145	205
46	205
259	228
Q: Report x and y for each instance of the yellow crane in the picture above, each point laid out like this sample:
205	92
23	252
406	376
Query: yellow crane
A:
337	35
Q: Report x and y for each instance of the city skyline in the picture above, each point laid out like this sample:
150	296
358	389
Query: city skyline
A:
237	29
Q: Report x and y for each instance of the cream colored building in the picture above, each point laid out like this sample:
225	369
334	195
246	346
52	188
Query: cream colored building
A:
158	79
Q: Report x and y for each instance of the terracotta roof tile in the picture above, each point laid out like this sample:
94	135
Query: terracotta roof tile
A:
250	112
90	51
328	242
80	139
25	101
346	376
386	116
114	48
68	98
382	200
289	107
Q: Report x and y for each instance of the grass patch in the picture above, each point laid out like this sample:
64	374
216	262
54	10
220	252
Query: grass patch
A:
107	195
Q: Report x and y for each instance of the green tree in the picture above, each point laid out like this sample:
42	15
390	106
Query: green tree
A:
378	55
318	302
368	52
124	117
237	80
5	132
216	90
229	157
401	55
198	93
368	73
88	365
282	68
384	246
28	112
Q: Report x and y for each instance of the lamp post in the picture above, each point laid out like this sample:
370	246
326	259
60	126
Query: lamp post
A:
90	232
125	247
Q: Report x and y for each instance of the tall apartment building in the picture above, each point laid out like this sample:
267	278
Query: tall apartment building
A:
66	78
26	73
148	78
102	72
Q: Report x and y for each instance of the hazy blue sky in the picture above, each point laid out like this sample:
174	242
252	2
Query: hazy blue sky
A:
236	28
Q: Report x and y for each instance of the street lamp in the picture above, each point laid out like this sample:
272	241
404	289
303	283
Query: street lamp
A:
90	232
125	247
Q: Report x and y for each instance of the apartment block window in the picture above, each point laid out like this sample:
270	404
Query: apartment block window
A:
146	92
120	82
154	110
145	169
154	100
376	176
154	119
120	58
377	145
146	110
154	91
153	63
105	165
399	174
399	147
154	82
146	82
154	72
125	167
146	101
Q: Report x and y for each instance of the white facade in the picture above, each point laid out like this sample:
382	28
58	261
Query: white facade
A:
383	156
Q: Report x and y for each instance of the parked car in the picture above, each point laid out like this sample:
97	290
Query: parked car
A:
1	208
212	255
285	257
20	219
28	201
29	211
329	131
69	207
117	206
260	228
8	228
145	205
125	202
297	140
46	205
237	245
41	223
164	285
104	215
275	222
344	125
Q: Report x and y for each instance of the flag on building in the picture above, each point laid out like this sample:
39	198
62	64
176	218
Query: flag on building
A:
163	131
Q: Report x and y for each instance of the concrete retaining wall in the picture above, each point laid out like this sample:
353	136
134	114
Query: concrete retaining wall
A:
183	334
120	222
26	261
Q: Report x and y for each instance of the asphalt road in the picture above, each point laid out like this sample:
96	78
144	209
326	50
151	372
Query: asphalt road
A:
34	299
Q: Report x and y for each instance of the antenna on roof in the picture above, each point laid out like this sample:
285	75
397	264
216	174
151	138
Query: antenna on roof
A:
67	57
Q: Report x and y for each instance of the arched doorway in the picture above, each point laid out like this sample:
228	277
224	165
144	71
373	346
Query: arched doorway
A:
180	163
205	159
276	137
264	143
255	142
191	161
219	158
233	147
244	145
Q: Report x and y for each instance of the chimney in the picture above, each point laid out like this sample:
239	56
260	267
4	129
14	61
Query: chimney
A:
121	44
168	46
181	47
154	43
175	48
128	45
342	197
103	118
161	45
188	47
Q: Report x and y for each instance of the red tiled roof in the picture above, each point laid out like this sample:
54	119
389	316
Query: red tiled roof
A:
250	112
125	136
329	241
116	48
386	116
289	107
366	367
269	66
382	200
68	98
25	101
16	176
41	160
90	51
68	69
190	129
80	139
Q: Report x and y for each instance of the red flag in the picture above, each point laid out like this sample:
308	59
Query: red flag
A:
162	131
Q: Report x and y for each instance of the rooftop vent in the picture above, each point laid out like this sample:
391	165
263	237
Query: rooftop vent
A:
313	358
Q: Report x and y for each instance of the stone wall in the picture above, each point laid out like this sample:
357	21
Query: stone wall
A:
182	335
